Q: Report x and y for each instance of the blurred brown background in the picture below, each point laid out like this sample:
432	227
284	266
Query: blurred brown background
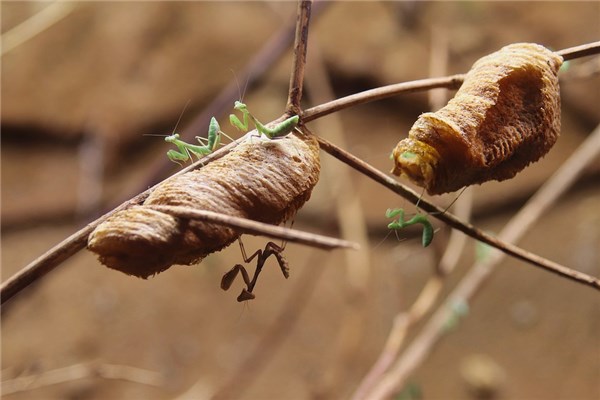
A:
78	99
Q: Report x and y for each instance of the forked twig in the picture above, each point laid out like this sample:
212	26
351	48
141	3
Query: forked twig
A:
268	55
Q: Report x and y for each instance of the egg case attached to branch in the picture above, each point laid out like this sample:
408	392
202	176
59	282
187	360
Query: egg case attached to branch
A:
259	179
505	116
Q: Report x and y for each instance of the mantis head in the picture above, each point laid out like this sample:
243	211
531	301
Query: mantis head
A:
172	138
238	105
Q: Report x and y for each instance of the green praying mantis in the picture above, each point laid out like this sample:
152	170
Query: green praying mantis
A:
185	150
279	130
419	218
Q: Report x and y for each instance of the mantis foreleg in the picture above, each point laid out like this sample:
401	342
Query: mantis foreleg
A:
186	149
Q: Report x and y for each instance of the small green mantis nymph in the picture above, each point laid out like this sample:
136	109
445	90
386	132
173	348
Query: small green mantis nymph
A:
417	219
278	131
186	150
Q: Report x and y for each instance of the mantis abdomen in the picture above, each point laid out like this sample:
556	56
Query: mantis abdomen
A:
505	116
260	179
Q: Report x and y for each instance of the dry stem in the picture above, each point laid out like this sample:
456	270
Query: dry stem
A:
299	63
257	228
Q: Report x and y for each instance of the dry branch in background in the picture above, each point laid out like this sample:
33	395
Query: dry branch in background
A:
82	371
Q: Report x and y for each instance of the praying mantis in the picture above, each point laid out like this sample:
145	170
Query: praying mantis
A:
186	150
417	219
279	130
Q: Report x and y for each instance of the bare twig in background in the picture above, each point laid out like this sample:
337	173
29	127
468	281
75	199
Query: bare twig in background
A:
457	241
344	202
416	353
34	25
257	228
91	170
82	371
438	65
588	49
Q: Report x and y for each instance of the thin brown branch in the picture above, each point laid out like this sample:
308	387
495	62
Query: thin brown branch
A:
454	222
588	49
257	228
299	63
547	195
448	82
